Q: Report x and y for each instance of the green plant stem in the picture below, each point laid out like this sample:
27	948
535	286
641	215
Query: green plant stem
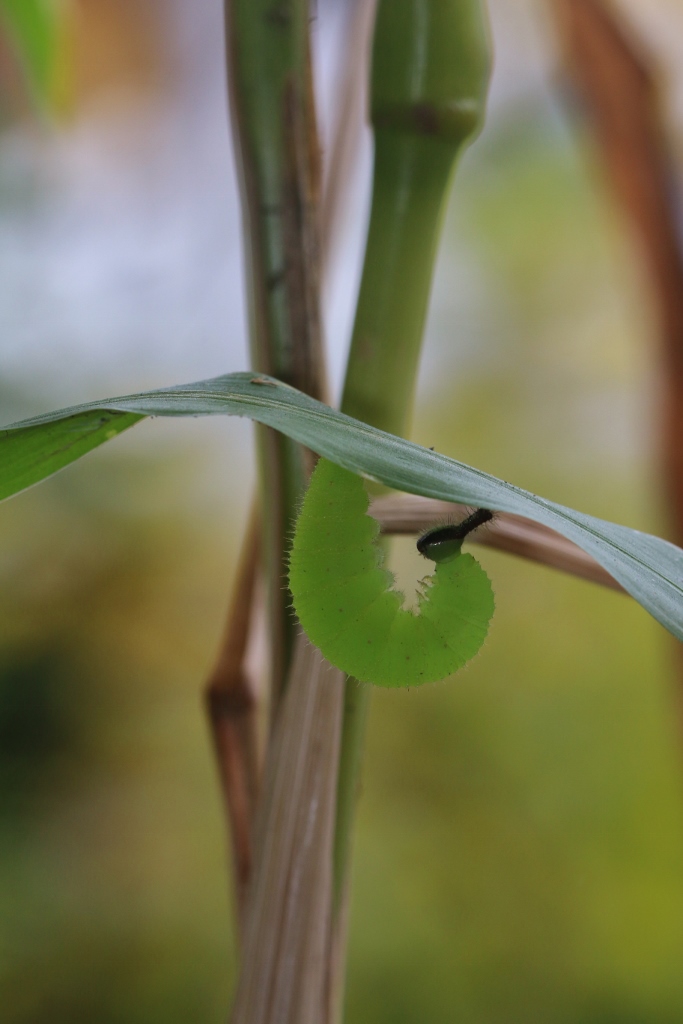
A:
269	79
411	181
429	80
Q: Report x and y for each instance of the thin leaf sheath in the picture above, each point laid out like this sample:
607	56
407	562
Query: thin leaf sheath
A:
430	72
430	69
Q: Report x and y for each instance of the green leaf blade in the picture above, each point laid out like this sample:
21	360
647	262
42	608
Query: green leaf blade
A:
34	452
649	568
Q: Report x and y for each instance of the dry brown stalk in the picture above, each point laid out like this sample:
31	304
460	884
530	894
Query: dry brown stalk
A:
277	156
294	353
410	514
286	947
233	711
232	705
615	77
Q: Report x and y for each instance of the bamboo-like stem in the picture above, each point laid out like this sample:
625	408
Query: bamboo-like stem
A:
232	704
429	81
269	77
237	768
410	182
272	122
284	973
284	977
408	514
235	758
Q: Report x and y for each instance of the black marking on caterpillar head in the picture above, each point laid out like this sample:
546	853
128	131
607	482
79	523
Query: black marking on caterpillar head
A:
444	542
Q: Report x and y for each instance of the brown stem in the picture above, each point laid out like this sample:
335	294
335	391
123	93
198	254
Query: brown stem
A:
286	952
286	914
231	699
410	514
270	88
274	127
615	78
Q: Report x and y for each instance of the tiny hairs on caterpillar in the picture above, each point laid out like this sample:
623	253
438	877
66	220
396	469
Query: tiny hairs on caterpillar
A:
346	603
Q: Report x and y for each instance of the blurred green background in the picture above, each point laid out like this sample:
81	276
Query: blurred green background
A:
519	854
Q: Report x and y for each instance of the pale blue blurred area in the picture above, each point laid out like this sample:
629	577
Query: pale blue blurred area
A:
120	250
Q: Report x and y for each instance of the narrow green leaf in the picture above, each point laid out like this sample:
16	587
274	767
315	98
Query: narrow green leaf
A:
33	453
649	568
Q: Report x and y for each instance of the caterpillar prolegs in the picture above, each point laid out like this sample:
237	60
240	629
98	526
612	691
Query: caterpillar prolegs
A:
345	601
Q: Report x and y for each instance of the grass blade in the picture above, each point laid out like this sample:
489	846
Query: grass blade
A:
649	568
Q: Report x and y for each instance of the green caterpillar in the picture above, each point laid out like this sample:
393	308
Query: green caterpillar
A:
345	603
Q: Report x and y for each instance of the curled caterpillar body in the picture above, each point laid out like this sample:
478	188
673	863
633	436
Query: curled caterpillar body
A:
345	601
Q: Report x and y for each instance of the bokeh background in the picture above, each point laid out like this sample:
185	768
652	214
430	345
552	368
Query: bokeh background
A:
519	854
